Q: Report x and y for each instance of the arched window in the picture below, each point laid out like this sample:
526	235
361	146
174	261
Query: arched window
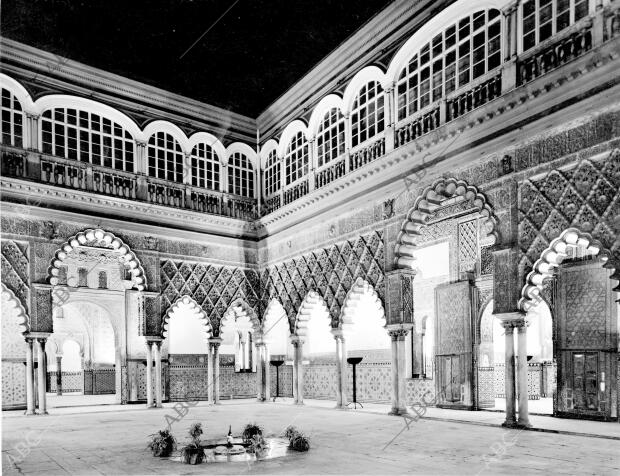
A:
367	116
87	137
330	138
542	19
296	158
205	167
12	119
165	157
273	170
241	175
464	51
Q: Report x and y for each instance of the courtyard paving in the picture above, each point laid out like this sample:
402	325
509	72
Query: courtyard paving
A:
99	440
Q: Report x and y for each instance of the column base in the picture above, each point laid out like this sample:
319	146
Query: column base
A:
44	412
299	403
510	424
398	411
524	423
27	413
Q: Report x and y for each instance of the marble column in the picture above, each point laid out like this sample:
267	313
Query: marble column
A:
149	374
59	375
394	347
157	357
344	372
399	391
210	372
243	342
510	374
267	373
41	375
260	373
295	375
300	372
338	340
29	377
216	368
524	418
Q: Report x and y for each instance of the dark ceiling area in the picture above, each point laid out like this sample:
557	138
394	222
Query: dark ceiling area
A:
244	54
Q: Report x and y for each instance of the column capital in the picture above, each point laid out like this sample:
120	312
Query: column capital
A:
150	340
32	115
141	143
398	331
297	340
510	8
40	336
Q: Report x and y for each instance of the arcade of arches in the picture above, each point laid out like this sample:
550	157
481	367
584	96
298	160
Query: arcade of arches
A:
145	260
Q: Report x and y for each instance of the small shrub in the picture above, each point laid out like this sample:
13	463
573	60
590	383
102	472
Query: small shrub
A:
299	443
290	432
258	445
162	443
250	431
193	453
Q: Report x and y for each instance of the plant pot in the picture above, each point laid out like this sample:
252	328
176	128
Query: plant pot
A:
193	456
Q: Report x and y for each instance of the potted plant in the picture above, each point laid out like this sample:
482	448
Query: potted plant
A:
193	452
258	446
162	443
296	440
251	430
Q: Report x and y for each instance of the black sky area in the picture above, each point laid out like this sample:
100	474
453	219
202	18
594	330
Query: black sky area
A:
243	63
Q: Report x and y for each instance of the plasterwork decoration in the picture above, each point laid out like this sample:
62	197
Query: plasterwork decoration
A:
213	288
329	271
468	246
453	304
15	270
428	204
585	197
98	239
41	316
152	315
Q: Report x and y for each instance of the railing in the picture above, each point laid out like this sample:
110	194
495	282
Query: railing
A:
116	184
475	97
162	193
295	192
330	173
419	126
555	52
241	207
367	154
272	204
83	176
14	164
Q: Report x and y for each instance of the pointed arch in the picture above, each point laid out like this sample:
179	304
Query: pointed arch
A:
360	288
552	257
193	305
313	301
427	203
93	237
9	297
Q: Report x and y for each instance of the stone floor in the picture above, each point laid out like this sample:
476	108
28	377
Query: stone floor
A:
77	399
98	440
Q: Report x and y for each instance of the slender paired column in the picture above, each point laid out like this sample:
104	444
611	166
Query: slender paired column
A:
157	356
399	395
59	375
267	372
295	375
510	373
260	372
41	374
524	417
338	370
29	377
300	372
210	372
149	374
216	367
344	372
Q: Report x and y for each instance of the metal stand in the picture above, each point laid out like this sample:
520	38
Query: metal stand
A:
277	364
354	361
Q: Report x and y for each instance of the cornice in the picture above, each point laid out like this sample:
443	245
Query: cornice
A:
498	124
131	213
52	69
